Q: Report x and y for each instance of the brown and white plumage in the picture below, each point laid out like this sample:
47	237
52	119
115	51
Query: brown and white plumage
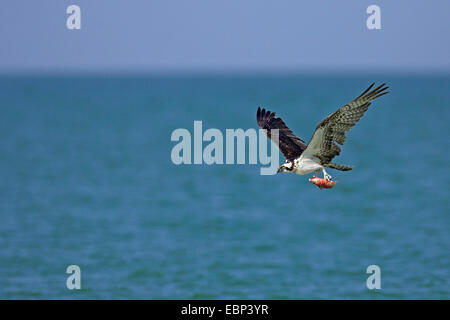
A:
333	128
322	147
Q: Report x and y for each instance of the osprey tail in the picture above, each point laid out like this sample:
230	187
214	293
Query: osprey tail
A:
338	166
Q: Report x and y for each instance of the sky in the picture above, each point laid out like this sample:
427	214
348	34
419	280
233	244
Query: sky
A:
236	35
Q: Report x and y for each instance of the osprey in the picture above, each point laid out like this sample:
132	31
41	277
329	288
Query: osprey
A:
322	148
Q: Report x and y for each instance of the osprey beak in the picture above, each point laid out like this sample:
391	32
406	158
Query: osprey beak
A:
278	170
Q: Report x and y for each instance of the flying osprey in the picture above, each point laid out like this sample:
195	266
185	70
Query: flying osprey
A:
322	148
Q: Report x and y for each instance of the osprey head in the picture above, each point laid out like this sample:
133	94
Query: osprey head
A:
286	167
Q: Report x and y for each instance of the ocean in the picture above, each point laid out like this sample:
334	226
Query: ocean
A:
86	179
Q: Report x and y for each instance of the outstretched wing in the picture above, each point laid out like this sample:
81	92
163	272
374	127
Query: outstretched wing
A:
290	145
332	129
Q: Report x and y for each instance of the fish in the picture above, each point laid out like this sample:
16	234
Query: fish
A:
323	183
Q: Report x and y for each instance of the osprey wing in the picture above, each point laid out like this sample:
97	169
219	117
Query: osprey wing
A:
332	129
290	145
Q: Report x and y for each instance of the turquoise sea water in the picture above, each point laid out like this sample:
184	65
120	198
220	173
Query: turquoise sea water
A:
86	178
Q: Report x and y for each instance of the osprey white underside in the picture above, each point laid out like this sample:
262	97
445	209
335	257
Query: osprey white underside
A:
308	162
304	165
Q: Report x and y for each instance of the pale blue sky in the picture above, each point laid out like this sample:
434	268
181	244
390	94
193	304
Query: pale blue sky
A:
211	35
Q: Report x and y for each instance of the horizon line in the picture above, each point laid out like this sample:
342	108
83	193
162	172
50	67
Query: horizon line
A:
357	72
